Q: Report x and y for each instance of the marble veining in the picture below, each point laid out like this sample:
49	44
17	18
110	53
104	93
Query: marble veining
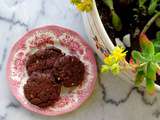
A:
13	105
123	100
112	99
156	113
13	22
3	57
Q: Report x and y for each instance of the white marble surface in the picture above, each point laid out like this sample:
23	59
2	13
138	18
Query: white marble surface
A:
113	99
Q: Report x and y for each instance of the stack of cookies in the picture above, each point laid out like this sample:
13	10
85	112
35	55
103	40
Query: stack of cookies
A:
49	69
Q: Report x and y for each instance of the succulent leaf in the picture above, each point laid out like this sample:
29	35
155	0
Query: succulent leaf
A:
146	45
141	3
116	21
157	21
158	35
151	71
150	88
109	3
139	78
152	7
137	56
156	42
157	58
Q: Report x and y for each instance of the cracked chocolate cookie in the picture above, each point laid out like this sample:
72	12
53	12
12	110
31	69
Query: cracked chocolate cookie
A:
41	90
43	60
69	70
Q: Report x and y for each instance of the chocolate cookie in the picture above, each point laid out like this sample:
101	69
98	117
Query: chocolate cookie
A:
43	60
41	90
69	70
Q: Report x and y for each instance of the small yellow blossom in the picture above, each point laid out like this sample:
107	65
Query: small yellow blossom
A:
75	1
112	62
115	68
118	53
86	5
105	68
109	60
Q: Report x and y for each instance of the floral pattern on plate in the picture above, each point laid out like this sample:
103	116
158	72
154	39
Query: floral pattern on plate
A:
69	42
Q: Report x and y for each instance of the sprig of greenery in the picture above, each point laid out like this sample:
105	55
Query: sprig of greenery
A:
84	6
147	61
116	21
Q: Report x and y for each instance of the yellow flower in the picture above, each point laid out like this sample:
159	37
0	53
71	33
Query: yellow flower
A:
104	68
115	68
75	1
109	60
112	62
86	5
118	53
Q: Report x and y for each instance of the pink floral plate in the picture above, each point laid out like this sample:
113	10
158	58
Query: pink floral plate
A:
69	42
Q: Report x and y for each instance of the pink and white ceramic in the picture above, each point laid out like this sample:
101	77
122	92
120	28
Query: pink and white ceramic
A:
71	43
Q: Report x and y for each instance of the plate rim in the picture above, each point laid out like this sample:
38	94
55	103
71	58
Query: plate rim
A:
21	39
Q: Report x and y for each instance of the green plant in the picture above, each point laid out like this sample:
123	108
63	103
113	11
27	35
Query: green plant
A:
147	62
157	21
141	3
156	42
152	7
116	21
86	6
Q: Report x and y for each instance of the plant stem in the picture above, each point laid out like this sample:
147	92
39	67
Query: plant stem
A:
146	27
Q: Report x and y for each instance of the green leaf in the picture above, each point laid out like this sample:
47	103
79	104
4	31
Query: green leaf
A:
158	35
156	42
141	3
157	21
146	46
151	71
109	3
150	88
139	78
157	58
116	21
136	55
156	46
152	7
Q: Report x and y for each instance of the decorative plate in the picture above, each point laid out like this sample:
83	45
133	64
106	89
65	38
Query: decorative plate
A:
69	42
